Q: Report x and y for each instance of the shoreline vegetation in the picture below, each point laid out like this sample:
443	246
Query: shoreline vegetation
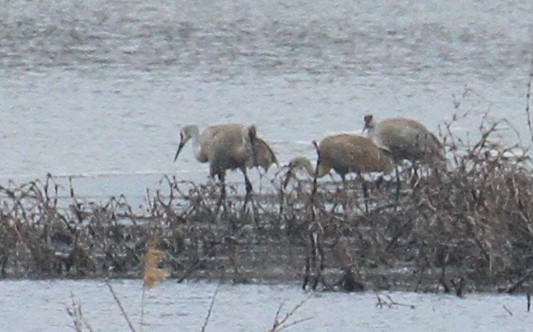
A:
466	229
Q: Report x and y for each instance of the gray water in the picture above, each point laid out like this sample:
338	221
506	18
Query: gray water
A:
101	88
97	91
42	305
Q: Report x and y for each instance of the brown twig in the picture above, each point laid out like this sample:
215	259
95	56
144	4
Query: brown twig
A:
282	324
528	96
115	297
390	303
210	309
76	314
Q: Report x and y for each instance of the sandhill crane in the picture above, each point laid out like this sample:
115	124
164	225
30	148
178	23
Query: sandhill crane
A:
345	154
228	146
407	139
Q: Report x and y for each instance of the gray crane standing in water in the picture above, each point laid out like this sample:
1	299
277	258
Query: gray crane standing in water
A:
345	153
228	146
407	139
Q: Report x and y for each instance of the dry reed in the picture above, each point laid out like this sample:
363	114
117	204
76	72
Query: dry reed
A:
152	273
78	320
469	228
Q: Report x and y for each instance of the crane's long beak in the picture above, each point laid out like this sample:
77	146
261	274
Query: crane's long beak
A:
368	120
179	150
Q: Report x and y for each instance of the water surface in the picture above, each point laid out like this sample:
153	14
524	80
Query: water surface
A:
102	88
41	306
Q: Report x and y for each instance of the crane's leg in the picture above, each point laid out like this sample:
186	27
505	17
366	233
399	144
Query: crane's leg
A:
398	184
365	191
343	195
248	185
415	177
222	199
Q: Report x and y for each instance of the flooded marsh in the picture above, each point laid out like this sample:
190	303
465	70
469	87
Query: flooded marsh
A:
94	94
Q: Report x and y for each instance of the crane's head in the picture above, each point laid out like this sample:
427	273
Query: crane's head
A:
186	134
302	163
369	123
298	163
294	165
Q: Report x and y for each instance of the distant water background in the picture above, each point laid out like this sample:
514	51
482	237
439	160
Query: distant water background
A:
101	88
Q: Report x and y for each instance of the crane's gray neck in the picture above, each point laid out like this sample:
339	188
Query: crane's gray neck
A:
192	133
309	168
370	124
370	132
304	163
196	147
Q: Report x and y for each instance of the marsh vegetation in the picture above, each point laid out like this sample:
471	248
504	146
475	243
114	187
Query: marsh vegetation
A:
469	228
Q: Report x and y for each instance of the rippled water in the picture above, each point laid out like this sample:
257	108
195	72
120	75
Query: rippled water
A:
41	306
101	88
